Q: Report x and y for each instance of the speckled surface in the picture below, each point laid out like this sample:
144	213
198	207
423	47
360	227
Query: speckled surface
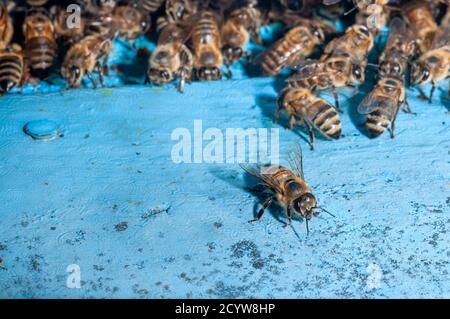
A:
108	198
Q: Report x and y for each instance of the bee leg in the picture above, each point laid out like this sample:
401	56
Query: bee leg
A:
288	214
336	99
183	75
393	126
100	74
433	88
291	121
262	210
312	138
422	94
91	78
228	74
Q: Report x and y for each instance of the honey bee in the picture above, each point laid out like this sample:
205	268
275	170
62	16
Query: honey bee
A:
287	188
400	48
11	68
131	22
433	65
40	43
297	43
382	104
421	21
84	57
206	43
343	64
68	34
171	58
303	106
241	24
6	26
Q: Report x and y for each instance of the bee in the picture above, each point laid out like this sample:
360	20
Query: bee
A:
400	48
433	65
303	106
68	34
130	22
297	43
241	24
6	26
382	104
343	64
421	21
171	59
206	43
84	57
40	43
287	188
11	68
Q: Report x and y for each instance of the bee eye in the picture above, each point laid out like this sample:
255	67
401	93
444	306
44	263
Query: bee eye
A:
426	74
144	25
76	70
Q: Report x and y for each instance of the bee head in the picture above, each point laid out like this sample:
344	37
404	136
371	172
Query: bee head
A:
160	76
420	73
208	73
305	204
358	73
232	53
73	75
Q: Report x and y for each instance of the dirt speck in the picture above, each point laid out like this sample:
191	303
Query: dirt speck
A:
121	226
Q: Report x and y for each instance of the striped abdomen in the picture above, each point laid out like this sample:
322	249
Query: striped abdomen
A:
325	118
11	70
151	5
206	31
36	3
377	122
41	52
295	44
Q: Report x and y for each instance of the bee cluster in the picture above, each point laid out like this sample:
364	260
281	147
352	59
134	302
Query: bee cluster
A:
202	39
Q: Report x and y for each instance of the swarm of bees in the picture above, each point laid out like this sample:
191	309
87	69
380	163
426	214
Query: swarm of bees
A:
325	45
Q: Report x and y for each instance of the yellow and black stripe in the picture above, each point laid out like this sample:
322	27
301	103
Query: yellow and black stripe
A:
377	122
326	119
41	53
11	70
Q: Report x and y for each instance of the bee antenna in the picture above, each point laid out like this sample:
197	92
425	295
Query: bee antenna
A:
373	65
350	11
323	209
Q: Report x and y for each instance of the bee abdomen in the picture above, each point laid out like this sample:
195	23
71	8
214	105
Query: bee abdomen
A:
377	123
151	5
36	3
327	120
41	53
11	68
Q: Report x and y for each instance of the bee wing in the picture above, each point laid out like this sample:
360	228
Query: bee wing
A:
265	176
330	2
398	31
373	100
295	158
441	38
306	71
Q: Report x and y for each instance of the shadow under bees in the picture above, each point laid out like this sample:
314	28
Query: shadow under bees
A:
134	71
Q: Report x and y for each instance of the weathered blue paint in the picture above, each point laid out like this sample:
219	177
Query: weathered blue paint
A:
108	198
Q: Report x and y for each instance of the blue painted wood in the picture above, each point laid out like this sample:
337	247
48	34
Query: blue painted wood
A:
108	197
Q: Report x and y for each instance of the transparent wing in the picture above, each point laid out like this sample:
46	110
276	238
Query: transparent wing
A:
306	71
263	173
295	158
374	100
